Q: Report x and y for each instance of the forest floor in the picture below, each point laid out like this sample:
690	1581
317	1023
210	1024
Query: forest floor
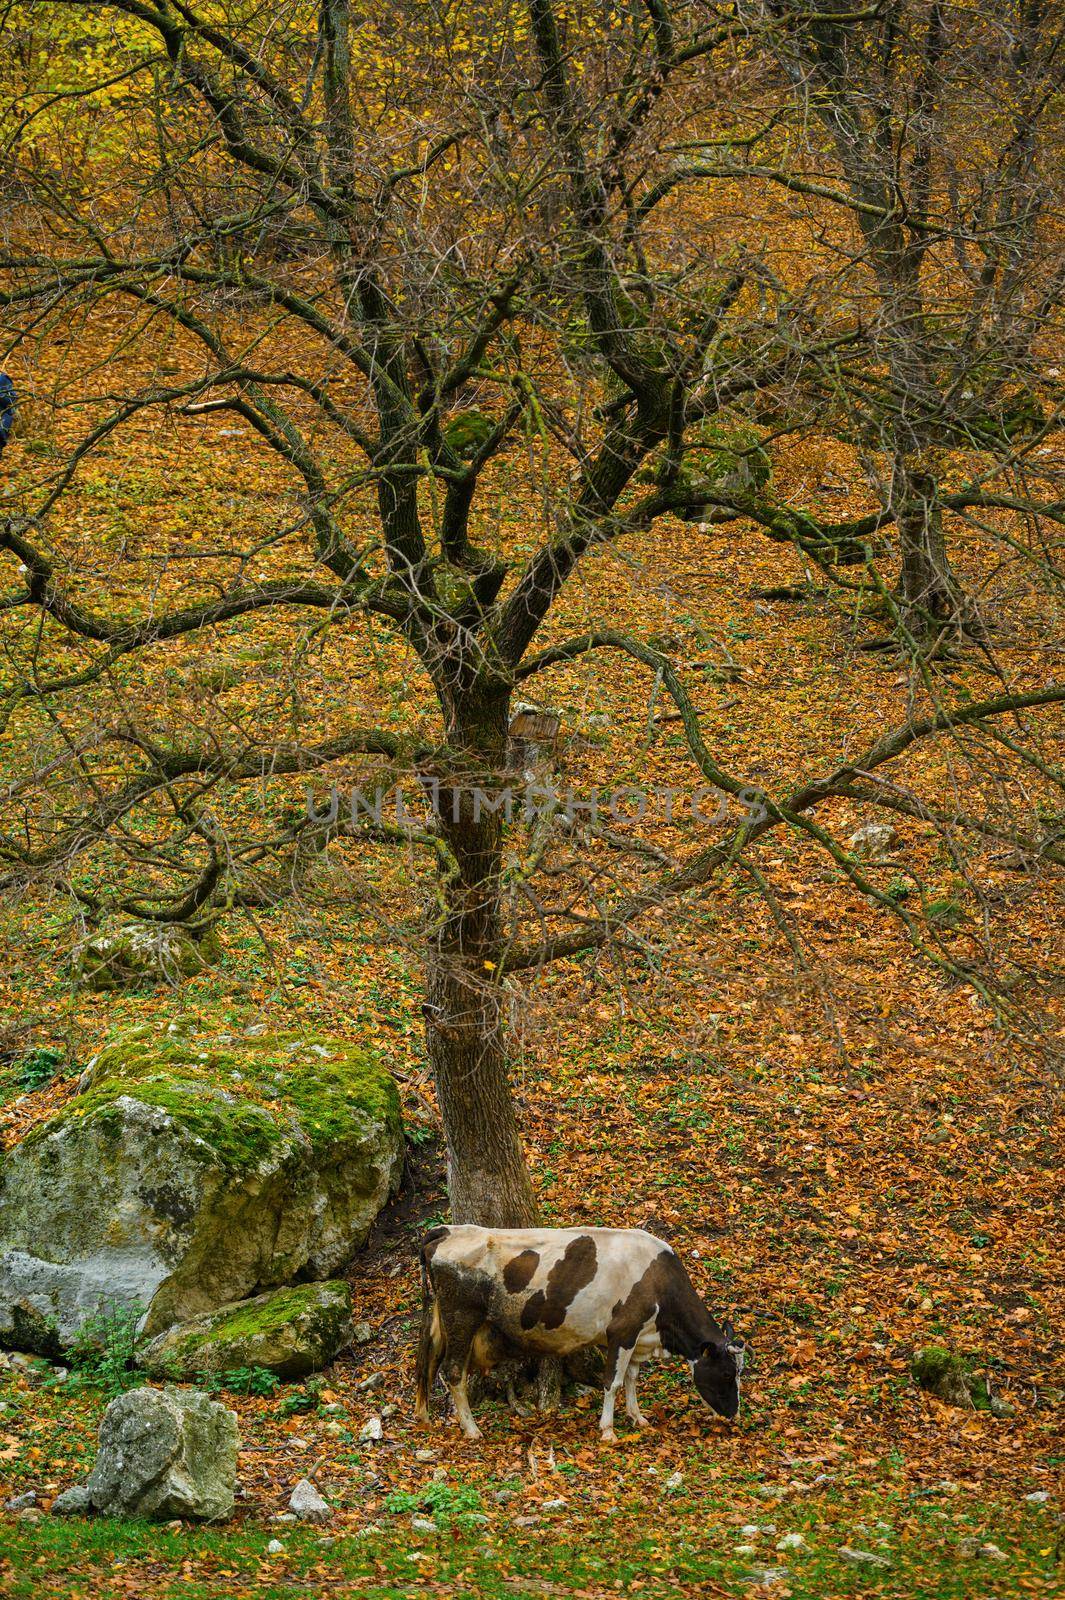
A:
853	1155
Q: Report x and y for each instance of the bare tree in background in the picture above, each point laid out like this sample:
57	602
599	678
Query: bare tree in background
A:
398	270
940	129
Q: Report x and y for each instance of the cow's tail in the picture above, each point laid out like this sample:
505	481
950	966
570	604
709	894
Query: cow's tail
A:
431	1338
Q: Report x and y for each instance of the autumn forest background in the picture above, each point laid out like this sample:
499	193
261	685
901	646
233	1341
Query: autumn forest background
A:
626	440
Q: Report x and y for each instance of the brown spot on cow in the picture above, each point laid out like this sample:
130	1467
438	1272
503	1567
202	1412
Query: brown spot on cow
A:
518	1272
571	1273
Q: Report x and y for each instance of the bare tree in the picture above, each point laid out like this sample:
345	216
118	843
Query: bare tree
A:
939	129
393	271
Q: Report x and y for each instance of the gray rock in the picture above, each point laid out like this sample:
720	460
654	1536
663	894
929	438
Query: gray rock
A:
21	1502
307	1504
371	1431
73	1502
1038	1497
767	1575
873	839
862	1558
170	1189
127	955
165	1453
292	1332
32	1515
275	1548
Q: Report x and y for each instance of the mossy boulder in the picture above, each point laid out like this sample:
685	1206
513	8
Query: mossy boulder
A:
132	955
192	1172
292	1332
945	1374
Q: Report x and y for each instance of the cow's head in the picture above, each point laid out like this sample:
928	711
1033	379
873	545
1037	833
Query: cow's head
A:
717	1370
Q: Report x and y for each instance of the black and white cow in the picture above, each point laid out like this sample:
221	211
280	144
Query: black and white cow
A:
498	1293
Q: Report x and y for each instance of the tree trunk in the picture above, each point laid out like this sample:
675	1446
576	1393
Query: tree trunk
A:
931	599
488	1180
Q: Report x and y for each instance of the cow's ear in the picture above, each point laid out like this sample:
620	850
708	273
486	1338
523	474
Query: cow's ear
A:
730	1333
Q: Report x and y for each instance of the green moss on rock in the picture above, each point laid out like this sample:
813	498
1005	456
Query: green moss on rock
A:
945	1374
291	1332
336	1090
130	955
238	1134
193	1171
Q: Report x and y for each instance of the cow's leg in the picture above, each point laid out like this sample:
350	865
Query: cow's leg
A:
430	1352
632	1405
456	1371
519	1409
617	1363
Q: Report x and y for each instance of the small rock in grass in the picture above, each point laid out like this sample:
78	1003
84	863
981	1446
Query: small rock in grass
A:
1038	1498
371	1431
992	1552
423	1525
674	1482
374	1381
744	1549
32	1515
275	1548
862	1558
526	1522
767	1575
425	1455
307	1503
389	1410
73	1502
501	1496
553	1505
288	1517
21	1502
362	1333
791	1541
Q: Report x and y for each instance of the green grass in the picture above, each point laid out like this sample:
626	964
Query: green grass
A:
648	1543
